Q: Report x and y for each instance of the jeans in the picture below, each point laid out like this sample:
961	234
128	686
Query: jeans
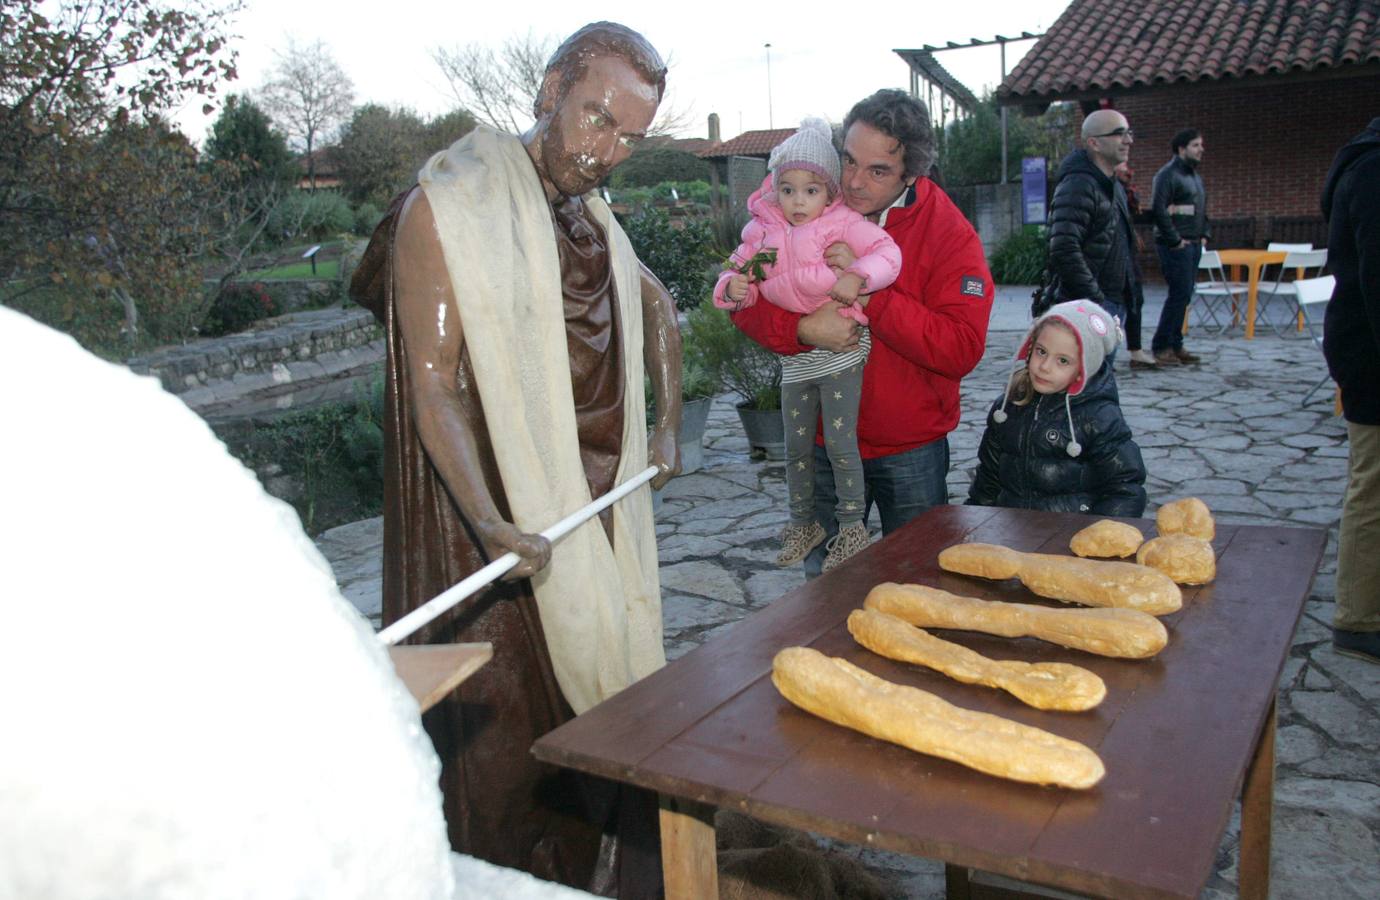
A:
902	486
1180	268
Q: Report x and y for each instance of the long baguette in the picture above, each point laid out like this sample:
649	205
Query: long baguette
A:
1091	582
1124	633
840	692
1041	685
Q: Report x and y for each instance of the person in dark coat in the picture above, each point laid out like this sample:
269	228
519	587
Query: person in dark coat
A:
1056	440
1091	253
1351	342
1179	203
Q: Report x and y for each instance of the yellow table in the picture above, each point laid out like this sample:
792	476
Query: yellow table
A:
1253	261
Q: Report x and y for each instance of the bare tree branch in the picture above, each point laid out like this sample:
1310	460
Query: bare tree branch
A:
307	95
500	89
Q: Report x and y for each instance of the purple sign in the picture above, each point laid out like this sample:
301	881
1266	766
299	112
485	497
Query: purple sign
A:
1033	190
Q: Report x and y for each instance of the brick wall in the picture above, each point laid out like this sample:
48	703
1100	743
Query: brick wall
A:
1268	144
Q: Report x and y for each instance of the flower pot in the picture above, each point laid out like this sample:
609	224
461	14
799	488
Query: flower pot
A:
765	431
693	416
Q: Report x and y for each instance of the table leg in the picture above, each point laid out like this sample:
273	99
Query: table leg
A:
1257	811
1252	286
956	885
689	861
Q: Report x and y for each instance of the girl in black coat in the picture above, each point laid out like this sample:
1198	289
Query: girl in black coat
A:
1064	445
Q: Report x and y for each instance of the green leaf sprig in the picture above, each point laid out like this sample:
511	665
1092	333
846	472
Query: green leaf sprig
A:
755	268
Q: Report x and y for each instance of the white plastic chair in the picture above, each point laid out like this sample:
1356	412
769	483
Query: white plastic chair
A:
1313	295
1276	247
1216	294
1308	264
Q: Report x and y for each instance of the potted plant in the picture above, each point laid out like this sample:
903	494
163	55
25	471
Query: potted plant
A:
697	392
735	362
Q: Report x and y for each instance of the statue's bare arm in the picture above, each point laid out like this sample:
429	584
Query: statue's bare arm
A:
661	352
430	323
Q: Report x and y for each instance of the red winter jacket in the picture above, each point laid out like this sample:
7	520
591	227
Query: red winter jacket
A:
929	328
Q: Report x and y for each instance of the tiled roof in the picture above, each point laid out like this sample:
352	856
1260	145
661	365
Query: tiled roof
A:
749	143
1119	44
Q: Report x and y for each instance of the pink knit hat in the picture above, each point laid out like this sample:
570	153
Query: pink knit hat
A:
811	148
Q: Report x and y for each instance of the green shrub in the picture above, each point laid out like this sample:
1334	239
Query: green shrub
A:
1021	258
236	307
730	358
684	259
367	218
335	451
312	215
651	165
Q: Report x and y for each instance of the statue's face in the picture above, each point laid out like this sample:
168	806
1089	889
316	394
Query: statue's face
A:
595	126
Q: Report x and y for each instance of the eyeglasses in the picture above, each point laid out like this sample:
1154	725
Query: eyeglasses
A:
1119	133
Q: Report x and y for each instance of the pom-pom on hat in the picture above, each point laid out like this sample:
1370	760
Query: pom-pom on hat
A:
1097	333
810	148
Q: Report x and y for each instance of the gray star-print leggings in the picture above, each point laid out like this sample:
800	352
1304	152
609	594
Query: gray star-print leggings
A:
837	395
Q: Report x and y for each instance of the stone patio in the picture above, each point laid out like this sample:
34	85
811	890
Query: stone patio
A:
1231	431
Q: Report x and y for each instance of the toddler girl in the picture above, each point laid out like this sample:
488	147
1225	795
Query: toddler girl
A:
798	213
1064	445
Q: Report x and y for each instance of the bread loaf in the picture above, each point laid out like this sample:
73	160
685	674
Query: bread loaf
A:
1123	633
1107	538
1189	516
844	694
1057	686
1184	558
1090	582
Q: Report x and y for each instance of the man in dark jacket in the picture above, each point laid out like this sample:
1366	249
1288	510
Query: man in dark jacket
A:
1090	235
1351	342
1179	204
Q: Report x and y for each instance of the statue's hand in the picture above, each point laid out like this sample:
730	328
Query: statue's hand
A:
664	453
503	537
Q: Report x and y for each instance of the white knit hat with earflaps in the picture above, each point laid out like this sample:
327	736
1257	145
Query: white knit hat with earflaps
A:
1098	334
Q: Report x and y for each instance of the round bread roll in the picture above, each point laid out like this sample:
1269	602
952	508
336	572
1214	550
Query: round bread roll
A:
1189	516
1184	558
1107	538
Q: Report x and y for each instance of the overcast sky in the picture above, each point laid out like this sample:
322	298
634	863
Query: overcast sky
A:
819	66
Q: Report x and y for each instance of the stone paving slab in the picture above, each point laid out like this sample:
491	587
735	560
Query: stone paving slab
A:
1231	430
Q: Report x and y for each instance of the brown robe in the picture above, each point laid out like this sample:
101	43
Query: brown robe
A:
500	804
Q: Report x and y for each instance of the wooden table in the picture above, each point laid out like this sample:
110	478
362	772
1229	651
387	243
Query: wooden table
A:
1179	733
1254	261
430	671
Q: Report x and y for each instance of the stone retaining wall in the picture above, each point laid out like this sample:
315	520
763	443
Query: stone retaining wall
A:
286	350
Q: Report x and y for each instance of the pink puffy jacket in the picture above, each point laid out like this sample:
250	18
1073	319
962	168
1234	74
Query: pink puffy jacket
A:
800	280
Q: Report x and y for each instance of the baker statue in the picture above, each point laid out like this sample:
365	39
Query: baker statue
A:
519	326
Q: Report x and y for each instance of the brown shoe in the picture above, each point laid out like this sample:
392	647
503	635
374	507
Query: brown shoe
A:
1167	358
1187	358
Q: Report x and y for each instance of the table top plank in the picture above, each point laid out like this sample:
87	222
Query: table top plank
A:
431	671
1176	732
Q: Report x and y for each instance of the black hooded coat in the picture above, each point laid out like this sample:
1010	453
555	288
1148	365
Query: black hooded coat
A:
1351	329
1023	462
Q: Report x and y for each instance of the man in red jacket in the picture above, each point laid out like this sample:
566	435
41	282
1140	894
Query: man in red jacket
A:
929	329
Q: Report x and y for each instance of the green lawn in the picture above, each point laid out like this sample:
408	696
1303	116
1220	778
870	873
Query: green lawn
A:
329	268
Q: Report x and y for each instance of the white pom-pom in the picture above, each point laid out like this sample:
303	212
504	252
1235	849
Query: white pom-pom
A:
1074	448
814	123
999	416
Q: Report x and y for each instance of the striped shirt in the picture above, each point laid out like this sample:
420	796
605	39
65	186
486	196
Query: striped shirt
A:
818	362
